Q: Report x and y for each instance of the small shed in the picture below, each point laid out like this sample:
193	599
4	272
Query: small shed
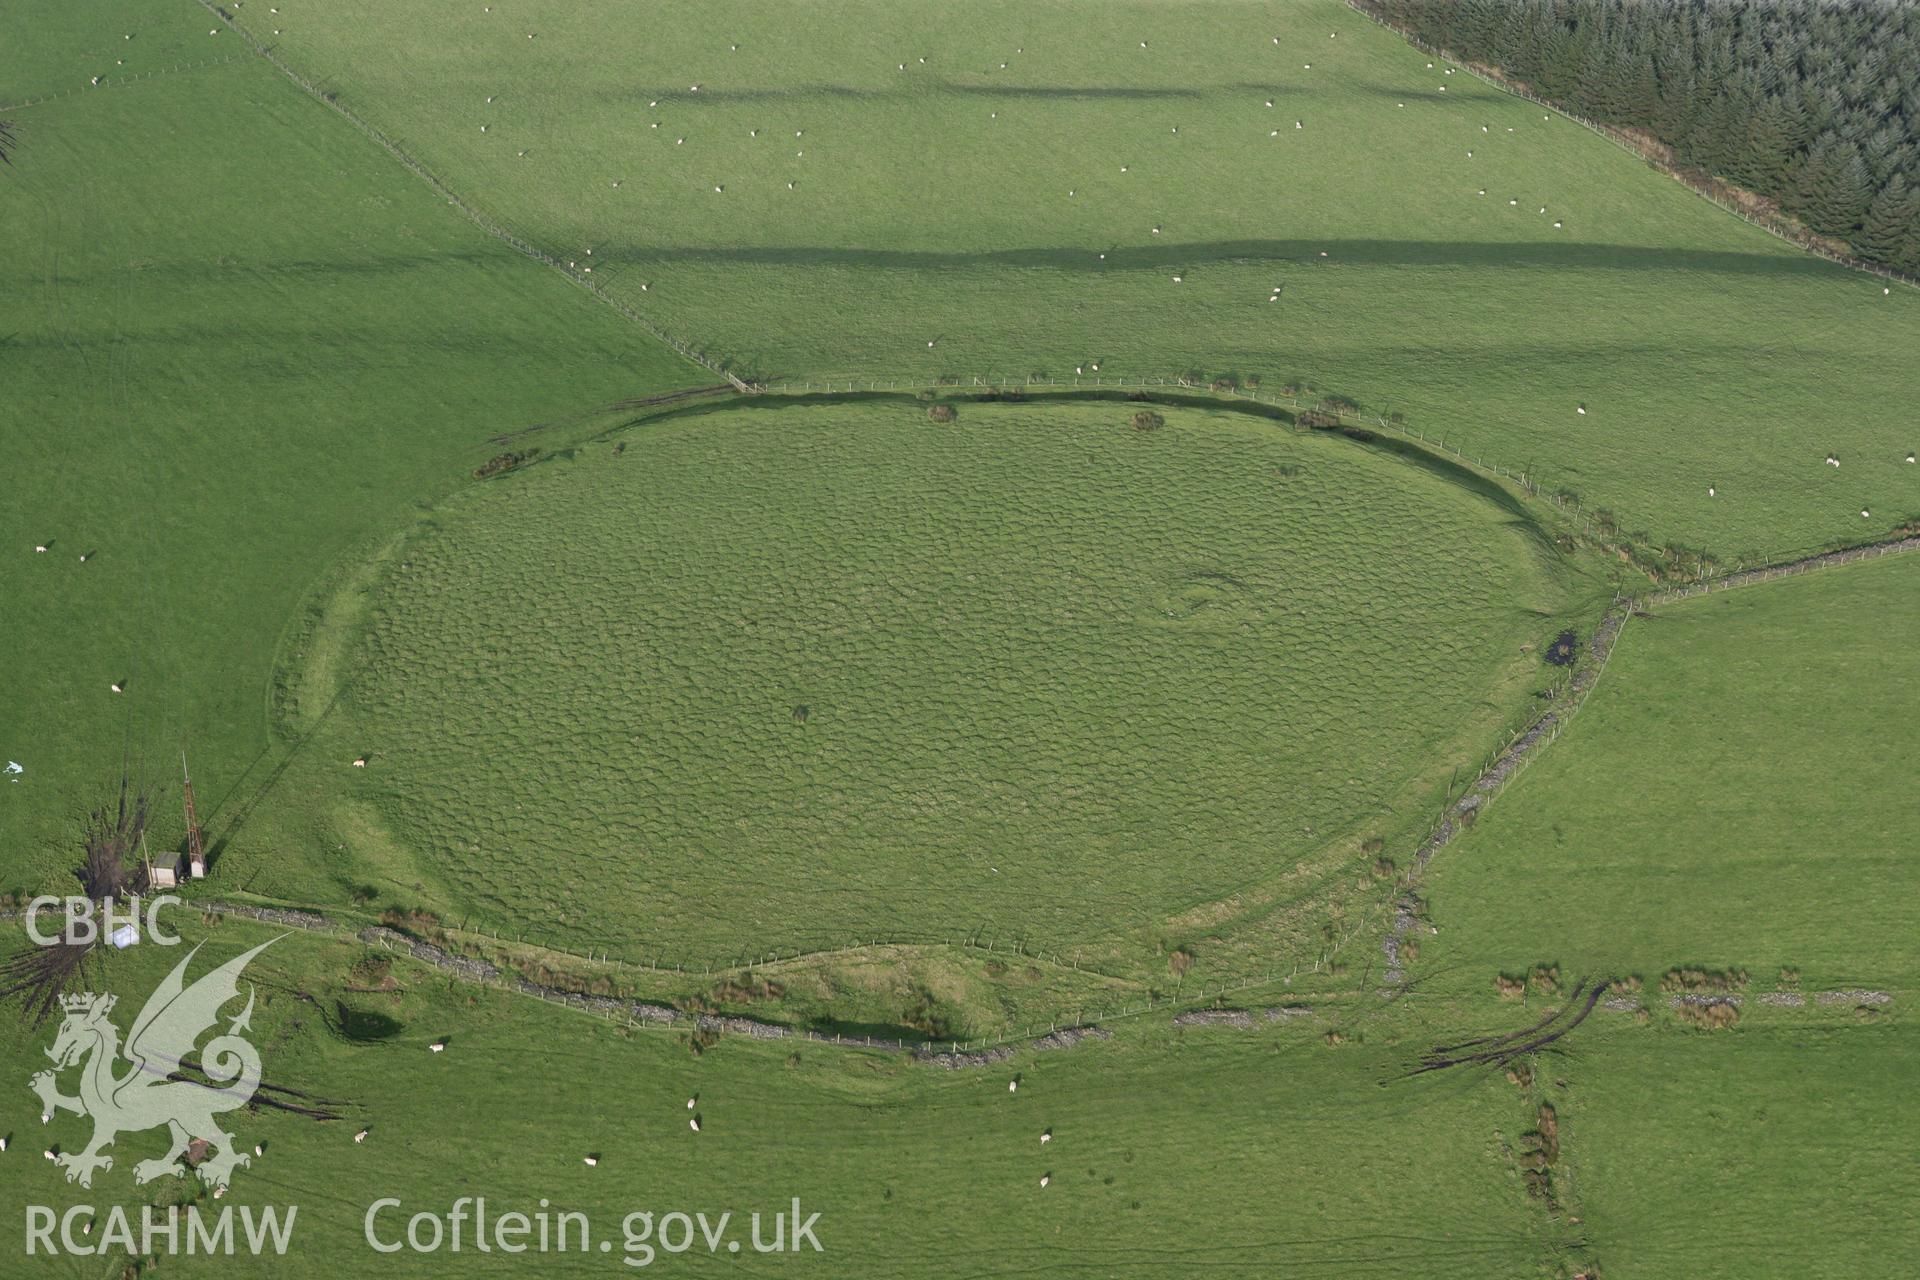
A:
164	872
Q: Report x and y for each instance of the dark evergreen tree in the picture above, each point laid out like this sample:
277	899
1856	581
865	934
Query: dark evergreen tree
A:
1814	103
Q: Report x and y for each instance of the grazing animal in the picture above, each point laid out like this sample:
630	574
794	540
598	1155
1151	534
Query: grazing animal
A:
360	763
116	688
694	1124
1013	1086
40	547
1046	1136
438	1046
1710	492
360	1136
1045	1178
590	1161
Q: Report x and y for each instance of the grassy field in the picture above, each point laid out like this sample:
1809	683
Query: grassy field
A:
914	1169
1043	194
1360	1170
1774	1149
239	345
1033	674
1737	793
720	680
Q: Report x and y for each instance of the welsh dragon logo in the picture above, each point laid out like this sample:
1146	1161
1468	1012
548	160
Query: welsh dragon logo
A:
151	1092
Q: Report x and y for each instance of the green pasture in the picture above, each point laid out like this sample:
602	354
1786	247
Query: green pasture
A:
1043	195
1736	794
238	346
803	675
1245	1152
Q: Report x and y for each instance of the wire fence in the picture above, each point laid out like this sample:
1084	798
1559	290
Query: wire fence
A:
331	101
119	81
1768	573
1789	232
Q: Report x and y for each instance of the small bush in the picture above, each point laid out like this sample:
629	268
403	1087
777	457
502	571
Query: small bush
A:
1710	1015
1319	420
942	413
1180	961
1148	420
500	462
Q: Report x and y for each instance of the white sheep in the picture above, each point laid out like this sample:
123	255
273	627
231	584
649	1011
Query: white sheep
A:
1046	1136
1864	515
259	1150
1581	410
696	1097
1178	279
40	547
1299	124
694	1124
1013	1086
360	762
117	689
1556	226
438	1046
1910	457
361	1136
1710	491
590	1161
1045	1179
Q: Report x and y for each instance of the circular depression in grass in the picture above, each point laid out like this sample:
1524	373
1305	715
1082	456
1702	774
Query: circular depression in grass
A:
794	676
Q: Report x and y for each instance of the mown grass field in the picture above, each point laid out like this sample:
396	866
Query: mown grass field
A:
802	675
239	344
1737	793
967	201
